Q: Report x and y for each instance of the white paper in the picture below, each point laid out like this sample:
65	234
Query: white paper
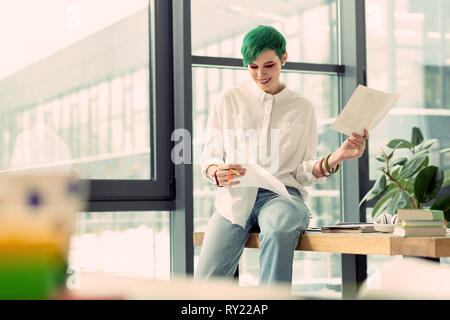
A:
364	110
257	176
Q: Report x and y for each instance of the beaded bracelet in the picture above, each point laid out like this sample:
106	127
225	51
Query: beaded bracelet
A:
217	180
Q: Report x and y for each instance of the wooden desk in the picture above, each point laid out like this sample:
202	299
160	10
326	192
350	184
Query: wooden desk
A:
362	243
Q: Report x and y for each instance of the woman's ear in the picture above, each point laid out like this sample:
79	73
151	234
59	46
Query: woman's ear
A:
284	58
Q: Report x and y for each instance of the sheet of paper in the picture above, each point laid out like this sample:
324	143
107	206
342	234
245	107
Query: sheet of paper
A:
365	109
257	176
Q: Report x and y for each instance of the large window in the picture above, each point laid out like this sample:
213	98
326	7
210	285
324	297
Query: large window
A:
309	27
314	274
75	87
80	89
408	52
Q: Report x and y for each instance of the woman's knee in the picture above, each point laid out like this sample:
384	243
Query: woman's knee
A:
283	218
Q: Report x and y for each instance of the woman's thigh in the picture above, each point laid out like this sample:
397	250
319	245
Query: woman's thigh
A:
279	214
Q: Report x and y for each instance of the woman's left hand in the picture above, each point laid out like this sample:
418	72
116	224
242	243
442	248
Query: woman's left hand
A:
354	146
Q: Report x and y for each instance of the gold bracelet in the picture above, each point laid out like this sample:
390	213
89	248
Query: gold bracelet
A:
325	163
334	170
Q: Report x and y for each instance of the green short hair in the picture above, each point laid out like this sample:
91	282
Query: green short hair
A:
260	39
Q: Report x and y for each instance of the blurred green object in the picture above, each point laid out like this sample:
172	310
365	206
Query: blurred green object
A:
37	212
30	275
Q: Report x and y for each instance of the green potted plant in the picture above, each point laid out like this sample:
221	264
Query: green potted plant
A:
409	181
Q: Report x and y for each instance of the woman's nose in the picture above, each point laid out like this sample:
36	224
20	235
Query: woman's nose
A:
260	73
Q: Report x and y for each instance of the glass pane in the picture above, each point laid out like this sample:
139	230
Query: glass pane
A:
322	91
74	85
122	243
408	52
309	26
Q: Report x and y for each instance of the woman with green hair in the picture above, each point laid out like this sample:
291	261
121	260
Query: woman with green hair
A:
245	121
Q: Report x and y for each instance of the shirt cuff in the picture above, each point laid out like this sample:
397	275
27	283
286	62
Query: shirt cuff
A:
305	173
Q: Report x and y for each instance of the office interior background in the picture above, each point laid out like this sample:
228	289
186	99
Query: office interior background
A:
93	85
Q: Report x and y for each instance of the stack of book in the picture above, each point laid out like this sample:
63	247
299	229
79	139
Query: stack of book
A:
420	223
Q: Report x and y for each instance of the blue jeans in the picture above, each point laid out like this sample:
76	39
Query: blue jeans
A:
281	225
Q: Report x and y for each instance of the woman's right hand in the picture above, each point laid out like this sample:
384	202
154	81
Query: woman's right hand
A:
225	175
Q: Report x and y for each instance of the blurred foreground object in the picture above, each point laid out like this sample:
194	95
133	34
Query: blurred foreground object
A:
408	278
37	212
107	286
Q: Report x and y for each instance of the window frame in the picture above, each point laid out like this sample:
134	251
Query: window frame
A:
158	192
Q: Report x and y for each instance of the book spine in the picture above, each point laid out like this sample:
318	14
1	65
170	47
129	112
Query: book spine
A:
418	214
424	223
424	231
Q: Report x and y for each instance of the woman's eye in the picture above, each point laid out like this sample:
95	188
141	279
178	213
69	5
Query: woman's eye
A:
254	67
269	65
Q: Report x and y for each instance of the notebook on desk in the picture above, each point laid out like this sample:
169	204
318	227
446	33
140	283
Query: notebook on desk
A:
350	227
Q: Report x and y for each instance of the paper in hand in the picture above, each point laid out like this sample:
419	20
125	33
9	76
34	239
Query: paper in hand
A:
257	176
364	110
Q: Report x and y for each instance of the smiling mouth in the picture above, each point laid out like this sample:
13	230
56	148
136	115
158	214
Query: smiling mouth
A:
265	81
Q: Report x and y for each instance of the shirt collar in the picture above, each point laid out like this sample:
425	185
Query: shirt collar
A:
262	95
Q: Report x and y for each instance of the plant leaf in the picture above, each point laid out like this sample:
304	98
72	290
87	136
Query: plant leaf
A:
427	144
444	150
400	200
389	156
399	161
443	203
395	174
414	164
391	186
428	183
407	184
446	181
410	186
416	136
380	157
390	206
383	202
424	164
378	188
400	144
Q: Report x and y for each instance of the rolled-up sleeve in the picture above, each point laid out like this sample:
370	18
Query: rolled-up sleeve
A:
213	146
304	172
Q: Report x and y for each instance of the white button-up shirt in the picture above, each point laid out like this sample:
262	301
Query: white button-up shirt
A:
278	132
